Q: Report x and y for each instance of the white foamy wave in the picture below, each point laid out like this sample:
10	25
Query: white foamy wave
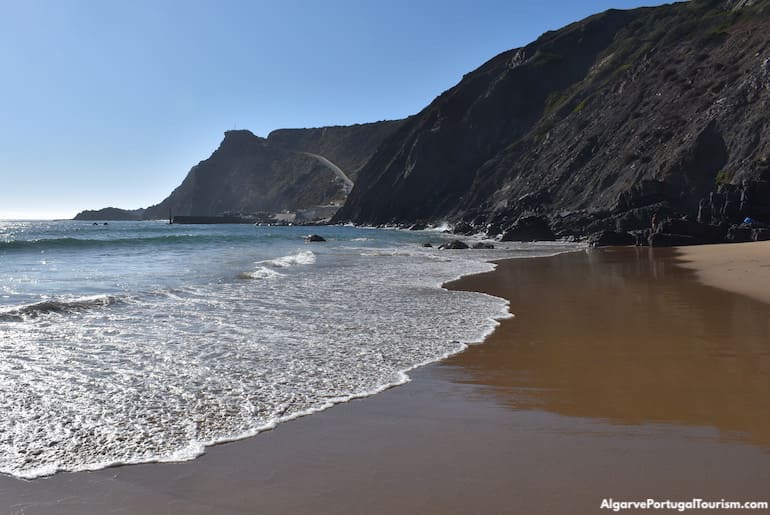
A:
261	272
444	226
305	257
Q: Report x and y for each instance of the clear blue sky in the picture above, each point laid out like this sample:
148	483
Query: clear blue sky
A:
109	103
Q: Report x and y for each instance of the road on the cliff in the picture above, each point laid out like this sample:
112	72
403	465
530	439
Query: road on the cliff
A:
336	169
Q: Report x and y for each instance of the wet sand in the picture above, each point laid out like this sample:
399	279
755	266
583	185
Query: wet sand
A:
619	376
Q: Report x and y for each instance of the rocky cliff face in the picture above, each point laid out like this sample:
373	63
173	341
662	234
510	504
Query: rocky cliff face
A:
283	172
349	147
246	174
595	126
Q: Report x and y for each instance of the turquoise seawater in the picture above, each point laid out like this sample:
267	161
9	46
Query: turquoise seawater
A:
143	341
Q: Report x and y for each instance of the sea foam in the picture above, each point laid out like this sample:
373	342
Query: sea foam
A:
189	356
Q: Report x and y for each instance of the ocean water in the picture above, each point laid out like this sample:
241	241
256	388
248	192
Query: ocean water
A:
142	341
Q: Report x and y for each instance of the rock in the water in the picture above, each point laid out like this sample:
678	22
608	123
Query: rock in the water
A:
453	245
483	245
314	238
427	245
612	239
418	227
529	228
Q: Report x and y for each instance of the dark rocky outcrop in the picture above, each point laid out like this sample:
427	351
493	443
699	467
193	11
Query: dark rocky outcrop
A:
760	234
595	127
530	228
612	238
314	238
683	231
739	234
483	245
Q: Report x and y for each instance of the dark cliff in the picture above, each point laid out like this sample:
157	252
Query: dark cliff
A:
246	174
249	174
595	125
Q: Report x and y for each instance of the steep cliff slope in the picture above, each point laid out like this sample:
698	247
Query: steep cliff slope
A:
597	124
246	174
292	169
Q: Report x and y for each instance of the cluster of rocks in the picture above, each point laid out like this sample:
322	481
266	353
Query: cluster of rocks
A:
732	214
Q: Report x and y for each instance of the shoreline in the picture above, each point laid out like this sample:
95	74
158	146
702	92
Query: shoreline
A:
548	415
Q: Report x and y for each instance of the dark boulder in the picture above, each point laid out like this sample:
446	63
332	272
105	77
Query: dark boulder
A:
427	245
418	227
483	245
739	234
530	228
453	245
702	233
314	238
612	239
762	234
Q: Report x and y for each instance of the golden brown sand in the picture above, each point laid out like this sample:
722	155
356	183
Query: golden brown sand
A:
742	267
620	376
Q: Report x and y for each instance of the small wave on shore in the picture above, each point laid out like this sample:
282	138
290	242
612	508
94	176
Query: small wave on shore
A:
305	257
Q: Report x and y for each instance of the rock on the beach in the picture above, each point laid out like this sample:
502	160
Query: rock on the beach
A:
739	234
453	245
314	238
612	239
762	234
529	228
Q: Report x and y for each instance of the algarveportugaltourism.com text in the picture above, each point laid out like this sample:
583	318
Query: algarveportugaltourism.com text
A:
693	504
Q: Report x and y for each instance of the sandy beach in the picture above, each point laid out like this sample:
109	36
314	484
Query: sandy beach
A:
622	375
743	268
